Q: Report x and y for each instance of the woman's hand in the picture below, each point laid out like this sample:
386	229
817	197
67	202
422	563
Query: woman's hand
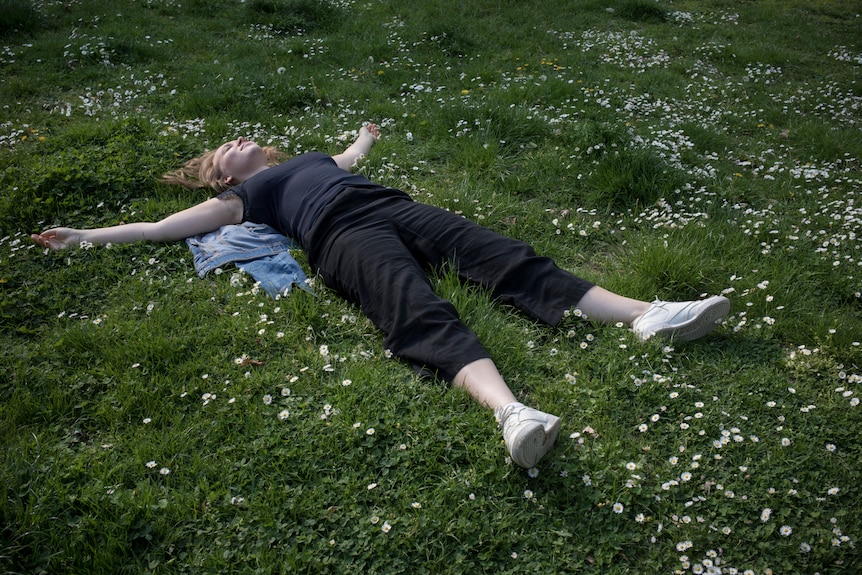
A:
57	238
370	129
349	158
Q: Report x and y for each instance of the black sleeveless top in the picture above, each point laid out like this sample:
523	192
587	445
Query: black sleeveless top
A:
290	196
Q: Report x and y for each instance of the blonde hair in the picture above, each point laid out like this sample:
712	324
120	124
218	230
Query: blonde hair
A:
202	171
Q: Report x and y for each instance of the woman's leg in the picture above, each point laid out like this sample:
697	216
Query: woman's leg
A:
604	306
510	269
529	433
484	383
516	275
684	320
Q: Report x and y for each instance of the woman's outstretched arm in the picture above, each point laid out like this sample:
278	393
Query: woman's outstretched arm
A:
368	135
204	217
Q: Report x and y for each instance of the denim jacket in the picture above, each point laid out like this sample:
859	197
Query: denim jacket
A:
255	248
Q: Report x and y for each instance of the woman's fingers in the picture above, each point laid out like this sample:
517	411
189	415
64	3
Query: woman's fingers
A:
41	240
372	129
48	239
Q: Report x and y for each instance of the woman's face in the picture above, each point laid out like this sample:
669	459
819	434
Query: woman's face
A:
238	160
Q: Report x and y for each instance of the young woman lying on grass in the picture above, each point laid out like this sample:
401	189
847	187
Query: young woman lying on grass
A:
375	246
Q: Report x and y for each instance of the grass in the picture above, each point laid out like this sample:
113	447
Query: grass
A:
153	421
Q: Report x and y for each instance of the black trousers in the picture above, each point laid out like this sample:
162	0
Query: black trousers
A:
376	246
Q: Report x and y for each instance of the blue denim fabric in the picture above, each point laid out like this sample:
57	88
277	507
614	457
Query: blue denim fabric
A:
255	248
276	274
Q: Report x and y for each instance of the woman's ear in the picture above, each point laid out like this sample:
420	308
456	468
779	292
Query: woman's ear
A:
228	180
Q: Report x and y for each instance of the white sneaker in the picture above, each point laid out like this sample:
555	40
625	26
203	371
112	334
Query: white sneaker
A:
529	433
684	320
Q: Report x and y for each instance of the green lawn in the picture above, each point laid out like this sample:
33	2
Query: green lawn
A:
153	421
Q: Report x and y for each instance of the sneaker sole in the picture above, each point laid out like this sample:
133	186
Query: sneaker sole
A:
706	321
535	443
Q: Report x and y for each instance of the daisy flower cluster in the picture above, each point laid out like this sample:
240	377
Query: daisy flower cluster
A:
627	49
116	100
84	46
8	54
11	134
844	54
